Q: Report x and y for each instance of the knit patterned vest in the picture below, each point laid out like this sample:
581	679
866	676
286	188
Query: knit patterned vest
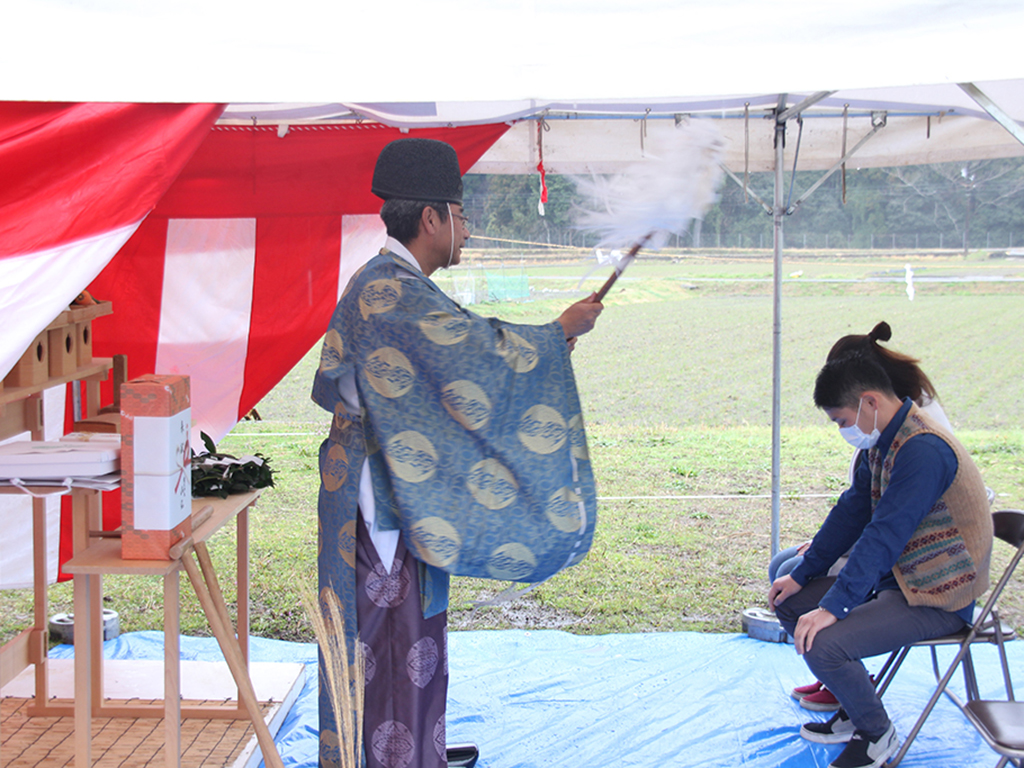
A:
946	561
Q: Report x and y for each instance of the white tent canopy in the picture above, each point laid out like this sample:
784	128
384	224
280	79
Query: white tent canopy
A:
595	84
916	125
473	50
607	76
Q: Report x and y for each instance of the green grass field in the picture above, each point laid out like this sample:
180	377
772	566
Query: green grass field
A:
676	387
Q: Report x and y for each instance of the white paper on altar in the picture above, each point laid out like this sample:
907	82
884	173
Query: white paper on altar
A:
16	512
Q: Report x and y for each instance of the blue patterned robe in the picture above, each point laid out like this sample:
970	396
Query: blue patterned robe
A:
473	432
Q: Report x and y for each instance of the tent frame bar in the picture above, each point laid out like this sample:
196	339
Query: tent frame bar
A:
798	109
997	113
778	213
878	122
746	188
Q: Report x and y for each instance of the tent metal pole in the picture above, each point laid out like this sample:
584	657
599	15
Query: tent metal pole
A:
784	114
997	113
777	216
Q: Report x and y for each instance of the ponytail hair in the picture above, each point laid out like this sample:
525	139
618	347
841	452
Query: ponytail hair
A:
908	380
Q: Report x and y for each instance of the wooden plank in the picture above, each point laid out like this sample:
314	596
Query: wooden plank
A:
66	708
275	719
104	556
79	314
14	656
224	510
12	417
242	586
126	742
87	514
41	605
233	657
99	369
83	585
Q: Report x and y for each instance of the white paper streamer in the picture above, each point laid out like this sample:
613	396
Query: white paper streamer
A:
659	196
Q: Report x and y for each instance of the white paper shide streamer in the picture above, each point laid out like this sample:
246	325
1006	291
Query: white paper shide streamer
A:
660	195
657	197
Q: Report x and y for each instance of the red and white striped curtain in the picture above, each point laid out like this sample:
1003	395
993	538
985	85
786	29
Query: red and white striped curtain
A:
222	249
234	276
77	180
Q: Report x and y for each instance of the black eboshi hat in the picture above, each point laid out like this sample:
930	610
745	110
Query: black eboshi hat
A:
424	170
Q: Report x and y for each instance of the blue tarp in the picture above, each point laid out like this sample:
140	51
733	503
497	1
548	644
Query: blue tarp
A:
545	698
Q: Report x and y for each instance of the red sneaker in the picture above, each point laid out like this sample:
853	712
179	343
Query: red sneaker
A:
822	701
800	692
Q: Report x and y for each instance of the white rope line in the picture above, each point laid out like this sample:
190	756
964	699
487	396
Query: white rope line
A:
719	496
277	434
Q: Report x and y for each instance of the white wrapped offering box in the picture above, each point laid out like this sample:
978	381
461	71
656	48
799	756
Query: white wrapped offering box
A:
156	483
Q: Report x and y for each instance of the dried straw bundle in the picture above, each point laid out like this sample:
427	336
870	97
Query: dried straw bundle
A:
343	672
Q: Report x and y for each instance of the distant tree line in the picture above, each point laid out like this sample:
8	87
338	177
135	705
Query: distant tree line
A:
979	204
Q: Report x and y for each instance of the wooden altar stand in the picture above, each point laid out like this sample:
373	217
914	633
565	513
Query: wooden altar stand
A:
62	354
226	725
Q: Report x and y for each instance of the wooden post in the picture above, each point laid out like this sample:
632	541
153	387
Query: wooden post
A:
41	619
172	670
83	680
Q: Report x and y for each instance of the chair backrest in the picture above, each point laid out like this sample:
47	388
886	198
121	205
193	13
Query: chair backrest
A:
1009	526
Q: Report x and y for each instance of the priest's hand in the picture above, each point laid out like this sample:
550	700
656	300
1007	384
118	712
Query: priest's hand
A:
579	318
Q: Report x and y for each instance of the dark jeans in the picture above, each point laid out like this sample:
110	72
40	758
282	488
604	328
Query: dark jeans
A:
879	626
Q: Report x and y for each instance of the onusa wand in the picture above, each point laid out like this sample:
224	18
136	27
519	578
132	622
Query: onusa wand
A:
657	197
620	268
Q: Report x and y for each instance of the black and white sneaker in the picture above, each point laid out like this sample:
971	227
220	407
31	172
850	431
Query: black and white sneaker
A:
835	731
865	752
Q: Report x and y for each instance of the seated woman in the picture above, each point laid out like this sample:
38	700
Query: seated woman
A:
908	380
917	526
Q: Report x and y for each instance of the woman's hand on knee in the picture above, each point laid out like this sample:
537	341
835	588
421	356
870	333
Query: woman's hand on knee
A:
808	626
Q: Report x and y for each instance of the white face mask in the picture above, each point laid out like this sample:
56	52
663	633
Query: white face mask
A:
856	437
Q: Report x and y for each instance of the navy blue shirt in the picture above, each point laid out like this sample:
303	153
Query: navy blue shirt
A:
924	468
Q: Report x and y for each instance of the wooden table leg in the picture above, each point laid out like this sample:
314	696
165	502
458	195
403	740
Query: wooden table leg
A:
233	657
88	630
172	670
94	504
41	620
83	678
242	579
